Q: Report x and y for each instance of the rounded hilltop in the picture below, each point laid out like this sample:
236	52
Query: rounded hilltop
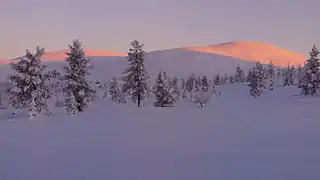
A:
254	51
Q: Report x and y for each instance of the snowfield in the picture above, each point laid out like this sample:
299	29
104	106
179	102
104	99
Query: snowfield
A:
234	137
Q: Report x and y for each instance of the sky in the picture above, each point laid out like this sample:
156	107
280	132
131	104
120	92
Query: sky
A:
159	24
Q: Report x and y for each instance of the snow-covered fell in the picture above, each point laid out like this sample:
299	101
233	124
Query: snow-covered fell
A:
254	51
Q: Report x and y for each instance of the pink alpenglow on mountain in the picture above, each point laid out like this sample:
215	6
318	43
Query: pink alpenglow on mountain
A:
4	61
254	51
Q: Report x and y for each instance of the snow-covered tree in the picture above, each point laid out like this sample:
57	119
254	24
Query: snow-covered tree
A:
294	74
190	84
265	72
310	82
231	79
174	88
162	92
288	77
257	80
31	84
182	84
78	91
271	70
114	90
249	76
217	80
279	73
299	73
204	83
183	89
239	78
202	95
105	89
136	76
271	75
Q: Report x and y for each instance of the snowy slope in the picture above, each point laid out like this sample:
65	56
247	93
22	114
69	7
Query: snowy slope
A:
183	62
254	51
273	137
61	55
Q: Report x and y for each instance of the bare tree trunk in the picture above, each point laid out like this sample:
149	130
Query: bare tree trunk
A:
139	100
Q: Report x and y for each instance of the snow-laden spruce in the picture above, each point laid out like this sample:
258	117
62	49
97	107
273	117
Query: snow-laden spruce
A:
174	88
190	86
256	80
78	91
202	94
310	81
271	75
31	85
135	77
161	92
217	80
288	76
166	90
115	91
239	78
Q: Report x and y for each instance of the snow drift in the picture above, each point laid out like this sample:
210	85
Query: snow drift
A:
235	136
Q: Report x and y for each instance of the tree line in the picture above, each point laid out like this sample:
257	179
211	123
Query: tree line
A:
32	85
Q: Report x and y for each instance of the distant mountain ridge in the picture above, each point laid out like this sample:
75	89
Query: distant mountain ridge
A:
244	50
209	60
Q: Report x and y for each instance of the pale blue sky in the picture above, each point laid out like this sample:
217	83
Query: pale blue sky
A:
110	25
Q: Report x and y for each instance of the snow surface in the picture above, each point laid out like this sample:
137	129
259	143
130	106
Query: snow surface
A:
234	137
